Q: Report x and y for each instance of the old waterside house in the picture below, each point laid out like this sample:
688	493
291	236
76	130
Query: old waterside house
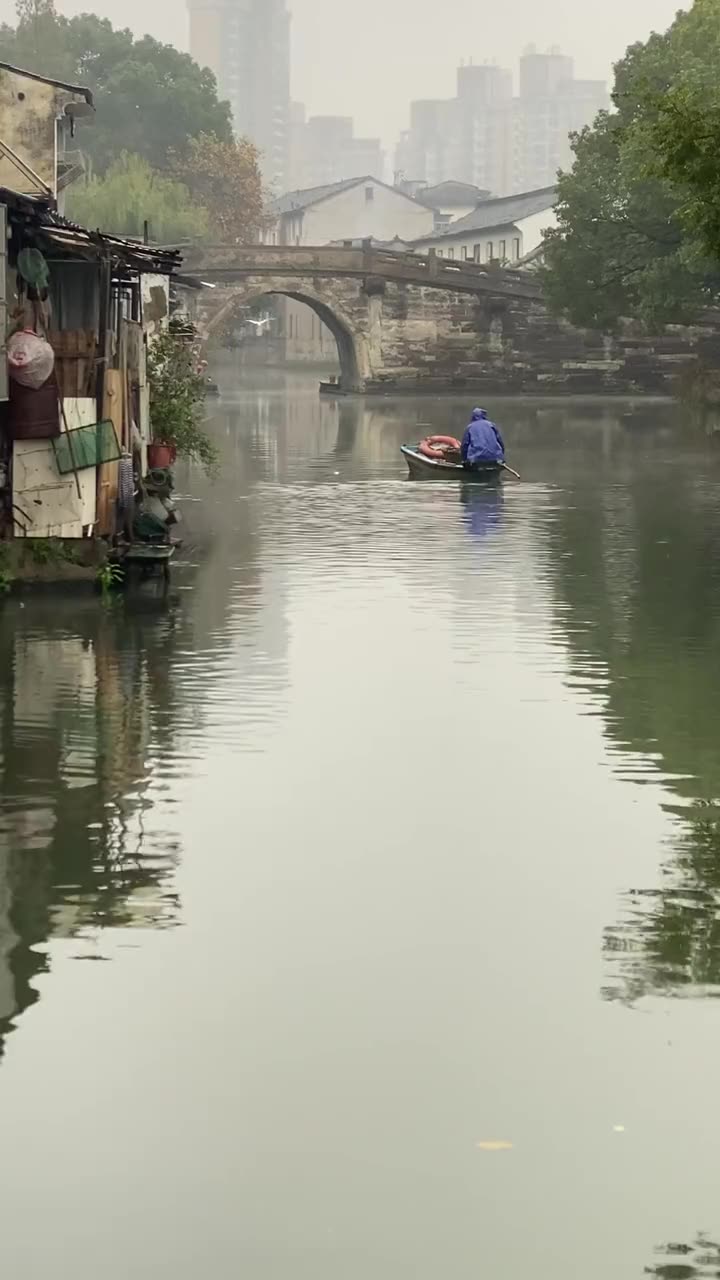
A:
99	299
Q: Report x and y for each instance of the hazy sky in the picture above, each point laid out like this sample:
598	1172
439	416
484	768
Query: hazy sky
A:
368	58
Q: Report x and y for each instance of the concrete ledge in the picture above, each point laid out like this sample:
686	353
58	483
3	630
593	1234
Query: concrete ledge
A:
50	562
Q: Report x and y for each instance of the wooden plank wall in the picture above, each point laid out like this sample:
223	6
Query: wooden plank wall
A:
114	408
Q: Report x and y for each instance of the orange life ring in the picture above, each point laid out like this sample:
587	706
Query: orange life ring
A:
437	446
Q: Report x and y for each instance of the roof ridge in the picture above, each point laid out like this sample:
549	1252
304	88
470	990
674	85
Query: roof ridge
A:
498	211
285	203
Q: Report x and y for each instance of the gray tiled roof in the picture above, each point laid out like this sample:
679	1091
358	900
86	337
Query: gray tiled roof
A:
312	195
500	212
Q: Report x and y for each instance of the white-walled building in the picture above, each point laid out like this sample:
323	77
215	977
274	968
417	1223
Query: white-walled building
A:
504	230
358	209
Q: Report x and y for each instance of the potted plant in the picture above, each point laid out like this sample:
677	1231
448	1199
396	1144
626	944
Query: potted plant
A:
177	399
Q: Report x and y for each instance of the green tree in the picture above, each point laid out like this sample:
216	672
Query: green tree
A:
224	177
687	132
150	98
623	246
39	23
130	193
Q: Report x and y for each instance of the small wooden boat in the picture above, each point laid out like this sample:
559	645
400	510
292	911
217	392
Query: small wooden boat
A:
423	468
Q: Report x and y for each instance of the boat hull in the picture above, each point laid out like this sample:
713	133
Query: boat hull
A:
422	468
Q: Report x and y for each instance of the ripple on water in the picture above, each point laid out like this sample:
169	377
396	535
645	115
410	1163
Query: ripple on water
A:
436	772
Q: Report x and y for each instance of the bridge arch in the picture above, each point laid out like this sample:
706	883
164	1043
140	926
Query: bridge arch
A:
351	343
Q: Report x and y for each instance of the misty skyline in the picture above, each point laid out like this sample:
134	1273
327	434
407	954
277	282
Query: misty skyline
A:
396	51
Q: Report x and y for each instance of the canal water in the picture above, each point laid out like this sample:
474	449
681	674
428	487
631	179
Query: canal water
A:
359	901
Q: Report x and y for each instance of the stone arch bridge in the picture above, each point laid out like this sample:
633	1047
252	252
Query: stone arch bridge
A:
407	321
397	318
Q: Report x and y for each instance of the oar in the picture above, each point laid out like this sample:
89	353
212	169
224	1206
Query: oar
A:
505	467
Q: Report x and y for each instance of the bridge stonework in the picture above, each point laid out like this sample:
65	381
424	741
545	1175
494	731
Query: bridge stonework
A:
400	325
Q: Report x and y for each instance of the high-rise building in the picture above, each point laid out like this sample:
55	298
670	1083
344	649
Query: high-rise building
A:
296	147
487	137
431	151
246	43
324	150
551	105
485	100
544	75
462	139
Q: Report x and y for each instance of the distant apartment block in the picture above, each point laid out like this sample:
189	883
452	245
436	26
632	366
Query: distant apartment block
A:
324	150
493	138
246	43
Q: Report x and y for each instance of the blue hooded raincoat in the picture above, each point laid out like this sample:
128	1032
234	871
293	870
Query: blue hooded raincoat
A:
482	441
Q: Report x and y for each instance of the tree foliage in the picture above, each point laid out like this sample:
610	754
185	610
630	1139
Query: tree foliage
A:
150	98
224	177
131	193
627	242
687	132
161	146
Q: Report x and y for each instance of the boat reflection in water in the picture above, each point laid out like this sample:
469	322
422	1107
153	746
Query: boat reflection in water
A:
483	509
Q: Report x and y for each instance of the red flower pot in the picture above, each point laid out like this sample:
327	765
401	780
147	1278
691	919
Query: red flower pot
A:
161	455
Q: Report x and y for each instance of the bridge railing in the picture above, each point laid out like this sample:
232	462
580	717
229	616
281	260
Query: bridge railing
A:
447	270
231	261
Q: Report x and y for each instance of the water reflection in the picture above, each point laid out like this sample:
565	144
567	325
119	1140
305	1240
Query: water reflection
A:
440	765
668	940
685	1261
626	508
483	507
82	693
638	575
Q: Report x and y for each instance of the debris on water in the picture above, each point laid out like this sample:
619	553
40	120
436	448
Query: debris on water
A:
495	1146
702	1261
673	1271
618	1128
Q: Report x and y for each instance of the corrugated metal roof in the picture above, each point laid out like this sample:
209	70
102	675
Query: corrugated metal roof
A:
40	214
